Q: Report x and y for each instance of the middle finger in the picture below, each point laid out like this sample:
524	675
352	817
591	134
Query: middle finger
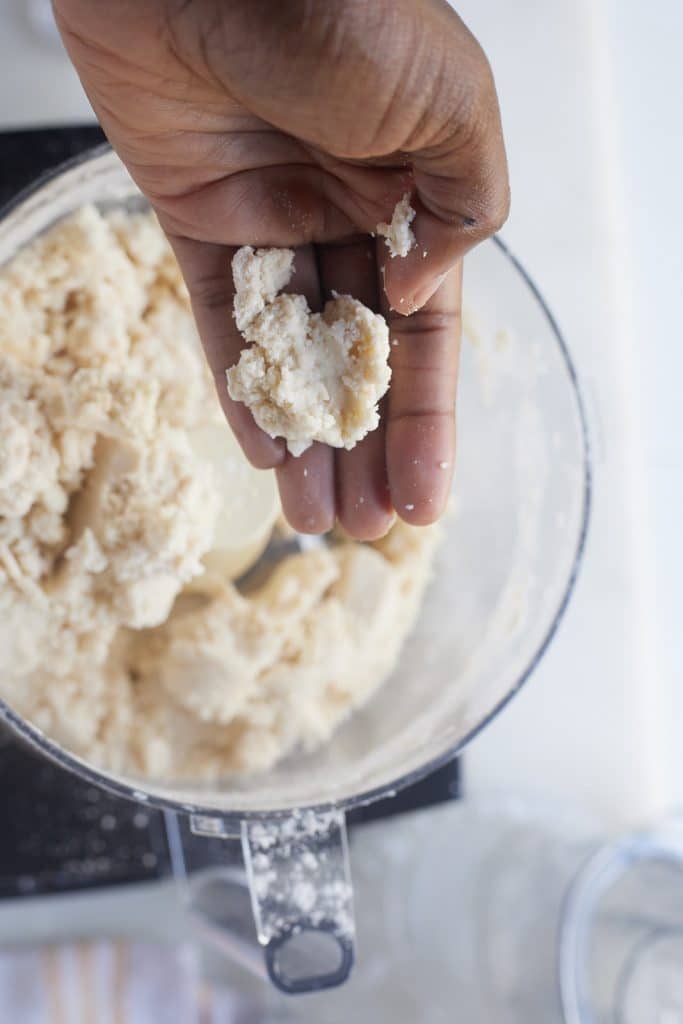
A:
306	483
363	504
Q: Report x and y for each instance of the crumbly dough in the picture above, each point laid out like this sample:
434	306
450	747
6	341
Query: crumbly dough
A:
398	236
305	376
113	637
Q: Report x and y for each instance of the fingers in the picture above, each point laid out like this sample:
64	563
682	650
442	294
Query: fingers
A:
363	502
420	442
207	273
410	468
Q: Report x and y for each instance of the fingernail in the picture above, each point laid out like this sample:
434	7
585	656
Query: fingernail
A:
425	293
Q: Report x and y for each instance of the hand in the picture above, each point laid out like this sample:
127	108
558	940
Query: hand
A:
302	123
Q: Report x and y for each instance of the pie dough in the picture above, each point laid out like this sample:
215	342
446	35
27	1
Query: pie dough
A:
122	634
305	376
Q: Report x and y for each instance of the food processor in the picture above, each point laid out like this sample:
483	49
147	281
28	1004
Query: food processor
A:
512	544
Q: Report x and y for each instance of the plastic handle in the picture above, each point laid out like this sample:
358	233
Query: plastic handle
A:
299	879
291	913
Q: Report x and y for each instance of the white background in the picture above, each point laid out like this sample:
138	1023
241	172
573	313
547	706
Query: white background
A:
590	93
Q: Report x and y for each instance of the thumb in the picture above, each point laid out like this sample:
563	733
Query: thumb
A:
461	191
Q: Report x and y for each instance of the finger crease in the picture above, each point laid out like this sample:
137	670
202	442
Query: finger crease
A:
429	412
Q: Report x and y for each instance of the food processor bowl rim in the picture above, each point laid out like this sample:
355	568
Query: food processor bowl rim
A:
138	792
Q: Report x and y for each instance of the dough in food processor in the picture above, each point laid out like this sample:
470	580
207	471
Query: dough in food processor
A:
122	634
305	376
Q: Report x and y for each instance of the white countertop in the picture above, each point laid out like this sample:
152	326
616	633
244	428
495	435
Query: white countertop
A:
588	91
594	724
589	724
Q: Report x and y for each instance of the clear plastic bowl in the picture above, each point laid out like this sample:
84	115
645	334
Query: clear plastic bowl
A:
503	574
621	939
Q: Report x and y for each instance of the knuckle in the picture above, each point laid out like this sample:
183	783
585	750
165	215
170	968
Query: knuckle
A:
436	329
211	292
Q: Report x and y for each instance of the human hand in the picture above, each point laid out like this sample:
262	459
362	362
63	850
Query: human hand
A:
301	123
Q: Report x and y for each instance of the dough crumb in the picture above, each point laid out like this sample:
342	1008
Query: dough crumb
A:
398	235
258	280
305	376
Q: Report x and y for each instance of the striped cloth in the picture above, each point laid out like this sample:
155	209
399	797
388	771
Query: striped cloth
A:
112	983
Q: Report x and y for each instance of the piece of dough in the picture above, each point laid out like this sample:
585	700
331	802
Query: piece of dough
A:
398	235
305	376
